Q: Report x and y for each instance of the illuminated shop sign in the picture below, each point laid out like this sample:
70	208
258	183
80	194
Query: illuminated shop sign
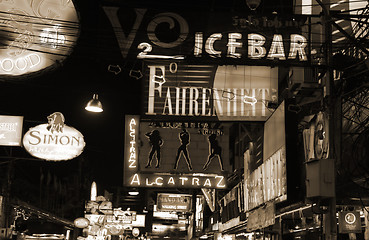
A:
174	202
165	180
256	46
81	222
234	93
209	36
268	181
176	154
54	141
11	130
132	124
39	34
349	222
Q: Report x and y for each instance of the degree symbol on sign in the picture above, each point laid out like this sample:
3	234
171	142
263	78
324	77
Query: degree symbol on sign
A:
173	67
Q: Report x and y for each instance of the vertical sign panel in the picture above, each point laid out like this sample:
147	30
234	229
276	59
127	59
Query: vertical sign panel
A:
132	124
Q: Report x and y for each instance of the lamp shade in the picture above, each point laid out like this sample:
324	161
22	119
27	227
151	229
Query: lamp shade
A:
94	105
253	4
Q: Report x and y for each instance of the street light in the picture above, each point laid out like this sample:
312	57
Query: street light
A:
94	105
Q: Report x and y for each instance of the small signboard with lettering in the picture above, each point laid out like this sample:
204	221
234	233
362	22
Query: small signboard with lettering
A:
349	222
174	202
11	130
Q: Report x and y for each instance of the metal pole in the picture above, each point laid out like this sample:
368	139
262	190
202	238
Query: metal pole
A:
194	195
330	221
7	202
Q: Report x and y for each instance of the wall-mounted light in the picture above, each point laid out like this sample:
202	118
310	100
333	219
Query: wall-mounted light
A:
253	4
133	192
94	105
93	191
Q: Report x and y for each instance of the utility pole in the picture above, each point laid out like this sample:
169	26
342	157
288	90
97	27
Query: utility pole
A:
194	196
7	197
329	220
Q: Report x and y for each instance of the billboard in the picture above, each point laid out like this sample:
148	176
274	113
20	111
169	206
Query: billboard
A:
209	37
36	35
174	202
176	154
54	141
268	180
174	91
349	222
11	130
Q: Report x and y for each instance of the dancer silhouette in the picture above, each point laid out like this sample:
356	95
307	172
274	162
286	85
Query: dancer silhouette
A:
214	150
155	142
184	137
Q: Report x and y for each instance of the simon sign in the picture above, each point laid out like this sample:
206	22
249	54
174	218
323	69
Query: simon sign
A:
54	140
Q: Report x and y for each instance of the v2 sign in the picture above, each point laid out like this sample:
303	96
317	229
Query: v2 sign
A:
185	35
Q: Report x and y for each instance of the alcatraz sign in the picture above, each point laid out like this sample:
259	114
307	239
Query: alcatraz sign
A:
178	155
185	35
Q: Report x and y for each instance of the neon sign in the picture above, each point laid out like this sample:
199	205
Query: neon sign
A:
52	36
256	46
172	180
132	150
131	139
29	46
232	93
237	37
54	141
21	63
147	165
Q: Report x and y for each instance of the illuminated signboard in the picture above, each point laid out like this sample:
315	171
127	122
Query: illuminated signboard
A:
54	140
11	130
131	141
101	226
226	93
209	37
269	180
174	202
186	155
81	222
349	222
36	35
